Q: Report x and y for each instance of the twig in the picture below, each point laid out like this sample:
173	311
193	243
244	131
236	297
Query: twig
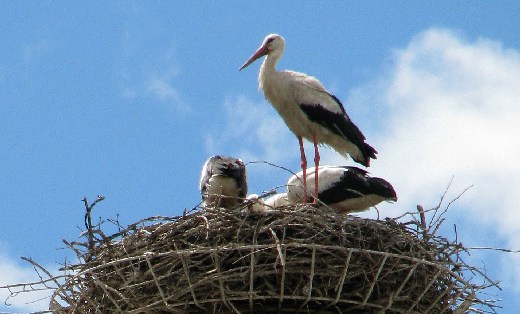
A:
440	201
271	164
423	220
36	265
493	249
88	222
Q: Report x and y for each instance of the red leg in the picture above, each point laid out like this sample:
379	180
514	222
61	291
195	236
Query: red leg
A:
304	168
316	164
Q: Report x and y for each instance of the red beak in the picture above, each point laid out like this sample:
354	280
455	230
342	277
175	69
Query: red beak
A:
262	51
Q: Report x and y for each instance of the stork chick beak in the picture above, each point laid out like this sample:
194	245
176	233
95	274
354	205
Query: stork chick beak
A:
262	51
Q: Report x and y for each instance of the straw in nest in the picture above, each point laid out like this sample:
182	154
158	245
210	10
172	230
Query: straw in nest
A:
296	259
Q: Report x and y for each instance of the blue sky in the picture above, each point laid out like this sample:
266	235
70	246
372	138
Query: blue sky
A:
128	99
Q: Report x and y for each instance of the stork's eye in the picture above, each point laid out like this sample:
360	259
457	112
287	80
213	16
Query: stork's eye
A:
269	40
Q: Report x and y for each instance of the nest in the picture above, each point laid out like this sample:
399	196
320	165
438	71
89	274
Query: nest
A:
296	259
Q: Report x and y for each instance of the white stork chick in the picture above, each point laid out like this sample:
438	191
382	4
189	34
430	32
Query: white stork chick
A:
264	206
308	109
346	189
277	200
223	182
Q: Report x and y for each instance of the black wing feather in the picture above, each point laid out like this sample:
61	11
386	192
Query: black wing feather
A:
340	124
353	183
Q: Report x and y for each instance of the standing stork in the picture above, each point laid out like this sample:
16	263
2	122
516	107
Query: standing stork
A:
223	182
308	109
346	189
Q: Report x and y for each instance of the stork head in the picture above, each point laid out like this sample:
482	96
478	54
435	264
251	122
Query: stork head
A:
273	44
384	189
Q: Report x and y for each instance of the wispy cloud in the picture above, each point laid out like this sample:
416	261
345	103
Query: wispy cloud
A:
151	74
253	131
161	87
158	86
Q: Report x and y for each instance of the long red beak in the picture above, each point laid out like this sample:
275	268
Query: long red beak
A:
262	51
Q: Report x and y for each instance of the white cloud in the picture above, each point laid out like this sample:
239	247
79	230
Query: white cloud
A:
28	301
453	110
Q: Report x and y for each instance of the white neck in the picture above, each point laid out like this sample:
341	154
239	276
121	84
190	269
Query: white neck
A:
268	68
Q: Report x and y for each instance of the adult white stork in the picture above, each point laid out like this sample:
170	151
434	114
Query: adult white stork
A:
346	189
308	109
223	182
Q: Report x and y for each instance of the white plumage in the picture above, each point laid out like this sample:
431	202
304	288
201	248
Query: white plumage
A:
223	182
346	189
264	206
307	108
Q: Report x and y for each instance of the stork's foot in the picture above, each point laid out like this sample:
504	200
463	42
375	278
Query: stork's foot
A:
311	201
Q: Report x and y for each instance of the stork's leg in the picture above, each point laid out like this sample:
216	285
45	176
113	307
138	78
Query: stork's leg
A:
304	168
316	164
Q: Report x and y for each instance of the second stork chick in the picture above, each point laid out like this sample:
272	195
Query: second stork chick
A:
223	182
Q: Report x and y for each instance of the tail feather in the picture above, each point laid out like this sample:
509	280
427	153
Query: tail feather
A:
369	152
365	155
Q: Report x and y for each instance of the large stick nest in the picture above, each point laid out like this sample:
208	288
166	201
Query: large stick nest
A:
296	259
